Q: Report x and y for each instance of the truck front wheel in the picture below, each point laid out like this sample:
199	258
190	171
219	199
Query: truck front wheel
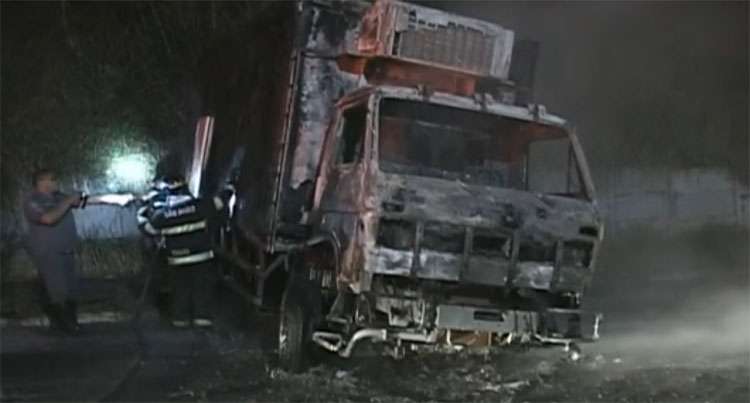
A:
292	341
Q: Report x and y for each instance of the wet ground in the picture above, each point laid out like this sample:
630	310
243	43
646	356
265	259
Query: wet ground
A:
152	362
676	328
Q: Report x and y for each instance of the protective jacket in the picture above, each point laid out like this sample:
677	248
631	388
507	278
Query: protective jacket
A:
183	224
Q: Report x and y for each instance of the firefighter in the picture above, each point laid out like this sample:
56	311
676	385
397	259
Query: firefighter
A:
153	254
51	243
183	225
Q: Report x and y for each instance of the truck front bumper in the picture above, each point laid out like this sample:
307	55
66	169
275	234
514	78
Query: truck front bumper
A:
552	325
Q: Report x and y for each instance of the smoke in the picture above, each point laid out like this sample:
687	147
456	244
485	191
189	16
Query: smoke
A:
712	332
653	84
646	83
680	298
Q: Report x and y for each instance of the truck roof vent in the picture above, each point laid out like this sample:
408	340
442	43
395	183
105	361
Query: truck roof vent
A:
437	38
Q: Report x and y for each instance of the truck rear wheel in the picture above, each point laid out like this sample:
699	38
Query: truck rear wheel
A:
292	338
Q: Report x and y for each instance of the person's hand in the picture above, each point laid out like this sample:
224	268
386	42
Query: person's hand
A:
227	192
73	200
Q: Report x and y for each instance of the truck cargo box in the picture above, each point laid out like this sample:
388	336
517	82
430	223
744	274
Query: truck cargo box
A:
280	108
290	82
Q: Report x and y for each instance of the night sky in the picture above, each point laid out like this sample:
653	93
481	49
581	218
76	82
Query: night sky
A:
646	83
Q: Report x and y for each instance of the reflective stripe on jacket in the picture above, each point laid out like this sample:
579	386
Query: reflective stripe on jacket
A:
183	223
190	259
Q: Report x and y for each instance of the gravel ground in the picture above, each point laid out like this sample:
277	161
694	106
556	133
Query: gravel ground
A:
113	362
688	348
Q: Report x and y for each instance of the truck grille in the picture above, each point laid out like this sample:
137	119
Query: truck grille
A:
396	234
491	245
443	238
535	252
440	237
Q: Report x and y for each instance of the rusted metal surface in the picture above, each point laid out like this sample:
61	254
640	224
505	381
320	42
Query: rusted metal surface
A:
201	149
511	229
395	71
292	99
458	205
392	149
412	32
286	157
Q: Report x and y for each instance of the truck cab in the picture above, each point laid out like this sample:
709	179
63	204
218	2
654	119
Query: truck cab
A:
449	216
449	189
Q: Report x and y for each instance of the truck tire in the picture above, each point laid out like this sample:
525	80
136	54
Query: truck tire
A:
292	347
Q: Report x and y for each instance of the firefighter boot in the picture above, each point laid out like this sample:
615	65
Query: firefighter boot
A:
71	316
58	322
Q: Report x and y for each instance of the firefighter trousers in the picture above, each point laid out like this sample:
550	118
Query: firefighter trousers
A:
194	287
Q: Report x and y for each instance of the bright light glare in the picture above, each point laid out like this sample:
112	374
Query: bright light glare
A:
131	169
119	199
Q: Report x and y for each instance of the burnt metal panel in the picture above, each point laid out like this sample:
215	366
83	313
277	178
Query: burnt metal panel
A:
279	108
525	255
319	85
523	69
412	32
249	100
469	318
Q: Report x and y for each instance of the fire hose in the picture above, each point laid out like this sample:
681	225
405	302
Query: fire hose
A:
142	354
118	199
137	362
122	200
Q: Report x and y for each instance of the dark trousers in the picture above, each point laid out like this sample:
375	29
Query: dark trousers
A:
57	272
193	291
156	274
60	288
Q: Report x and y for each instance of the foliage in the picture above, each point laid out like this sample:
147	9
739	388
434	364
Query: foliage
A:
85	82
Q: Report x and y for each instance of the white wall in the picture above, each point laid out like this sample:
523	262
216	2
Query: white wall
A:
675	199
104	221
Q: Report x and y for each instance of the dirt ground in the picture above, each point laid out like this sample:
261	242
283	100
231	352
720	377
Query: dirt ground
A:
508	376
608	371
679	336
152	362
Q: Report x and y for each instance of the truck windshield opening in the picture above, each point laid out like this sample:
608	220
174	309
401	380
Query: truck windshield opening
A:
417	138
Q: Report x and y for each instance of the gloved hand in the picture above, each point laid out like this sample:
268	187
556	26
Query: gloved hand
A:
83	198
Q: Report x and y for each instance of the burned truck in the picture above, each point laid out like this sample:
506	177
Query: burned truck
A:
397	186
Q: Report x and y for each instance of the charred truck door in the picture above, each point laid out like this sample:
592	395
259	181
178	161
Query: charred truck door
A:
344	187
